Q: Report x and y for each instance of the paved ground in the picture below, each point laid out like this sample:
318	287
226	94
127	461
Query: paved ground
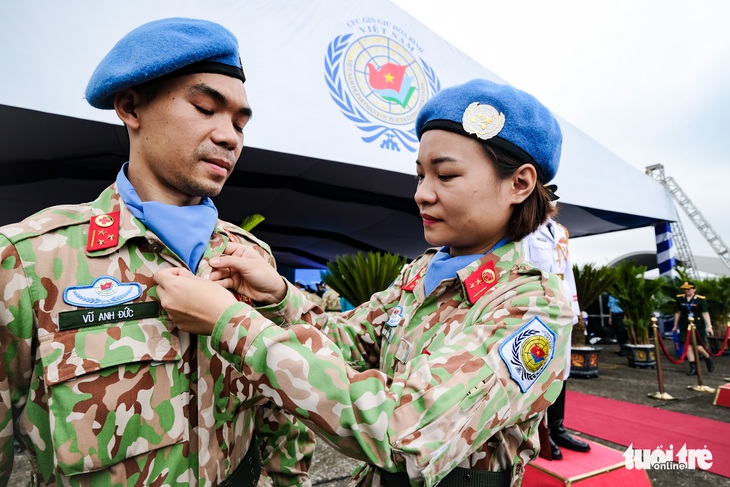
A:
616	380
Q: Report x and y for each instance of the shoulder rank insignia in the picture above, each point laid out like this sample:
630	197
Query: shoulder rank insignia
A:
414	282
527	352
104	291
480	281
103	231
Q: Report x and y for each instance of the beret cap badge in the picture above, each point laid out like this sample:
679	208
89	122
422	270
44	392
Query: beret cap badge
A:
482	120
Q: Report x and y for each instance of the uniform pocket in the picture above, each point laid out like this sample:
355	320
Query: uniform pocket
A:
115	391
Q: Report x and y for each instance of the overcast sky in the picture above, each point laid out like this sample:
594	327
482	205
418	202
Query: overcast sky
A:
648	79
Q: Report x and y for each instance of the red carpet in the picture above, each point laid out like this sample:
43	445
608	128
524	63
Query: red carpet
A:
601	467
646	427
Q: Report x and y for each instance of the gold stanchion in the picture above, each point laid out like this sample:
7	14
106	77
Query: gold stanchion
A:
661	394
699	387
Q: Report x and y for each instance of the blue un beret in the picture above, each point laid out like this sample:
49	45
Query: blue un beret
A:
160	48
504	116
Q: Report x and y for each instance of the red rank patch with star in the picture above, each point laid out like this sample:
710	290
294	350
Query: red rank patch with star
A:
480	281
103	231
413	282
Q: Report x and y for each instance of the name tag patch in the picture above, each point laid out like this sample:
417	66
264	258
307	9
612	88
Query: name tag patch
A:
528	351
69	320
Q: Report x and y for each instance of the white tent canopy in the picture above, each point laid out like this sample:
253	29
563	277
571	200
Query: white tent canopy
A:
328	161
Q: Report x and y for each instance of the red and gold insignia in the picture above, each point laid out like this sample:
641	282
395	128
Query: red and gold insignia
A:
243	299
480	281
103	231
414	282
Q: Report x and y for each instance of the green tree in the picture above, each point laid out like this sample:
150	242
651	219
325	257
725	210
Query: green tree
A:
639	298
590	283
359	276
251	221
717	293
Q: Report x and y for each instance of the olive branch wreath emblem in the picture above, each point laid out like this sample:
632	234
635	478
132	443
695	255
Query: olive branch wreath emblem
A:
339	94
516	356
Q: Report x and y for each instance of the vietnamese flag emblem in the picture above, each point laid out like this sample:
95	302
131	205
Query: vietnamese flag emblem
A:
391	83
538	354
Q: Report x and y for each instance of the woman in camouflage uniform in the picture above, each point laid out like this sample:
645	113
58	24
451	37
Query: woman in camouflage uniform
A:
443	377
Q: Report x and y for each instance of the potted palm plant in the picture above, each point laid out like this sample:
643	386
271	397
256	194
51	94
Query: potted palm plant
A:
356	277
590	282
640	298
717	293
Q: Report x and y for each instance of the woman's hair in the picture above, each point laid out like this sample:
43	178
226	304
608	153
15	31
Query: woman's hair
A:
532	212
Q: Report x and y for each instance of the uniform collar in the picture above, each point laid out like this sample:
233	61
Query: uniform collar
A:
500	261
110	201
483	274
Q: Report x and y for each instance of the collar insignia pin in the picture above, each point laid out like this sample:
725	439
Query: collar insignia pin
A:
480	281
103	231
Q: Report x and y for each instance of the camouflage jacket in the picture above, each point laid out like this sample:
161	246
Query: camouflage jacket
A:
117	395
415	383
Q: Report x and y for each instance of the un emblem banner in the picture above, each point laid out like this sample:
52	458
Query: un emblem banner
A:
378	82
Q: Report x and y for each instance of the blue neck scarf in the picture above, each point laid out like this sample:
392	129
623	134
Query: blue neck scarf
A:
444	266
184	229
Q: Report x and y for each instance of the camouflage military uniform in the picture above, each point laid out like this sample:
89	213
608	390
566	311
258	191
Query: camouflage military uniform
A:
130	401
439	381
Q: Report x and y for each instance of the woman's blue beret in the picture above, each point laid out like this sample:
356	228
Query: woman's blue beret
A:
160	48
500	114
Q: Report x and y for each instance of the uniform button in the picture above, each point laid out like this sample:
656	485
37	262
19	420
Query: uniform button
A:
155	247
467	478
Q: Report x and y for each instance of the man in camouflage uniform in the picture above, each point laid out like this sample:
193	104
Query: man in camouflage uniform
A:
444	377
102	388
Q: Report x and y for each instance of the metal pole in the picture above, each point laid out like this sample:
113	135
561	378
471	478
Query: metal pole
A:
699	387
661	394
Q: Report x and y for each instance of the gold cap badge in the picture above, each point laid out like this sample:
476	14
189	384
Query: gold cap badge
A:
484	121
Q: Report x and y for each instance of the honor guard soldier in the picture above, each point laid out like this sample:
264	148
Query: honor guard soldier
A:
692	305
95	379
443	377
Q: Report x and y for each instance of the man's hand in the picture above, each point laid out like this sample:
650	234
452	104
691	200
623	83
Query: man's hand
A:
194	304
246	272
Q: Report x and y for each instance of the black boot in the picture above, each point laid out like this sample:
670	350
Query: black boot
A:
710	364
555	452
692	369
562	438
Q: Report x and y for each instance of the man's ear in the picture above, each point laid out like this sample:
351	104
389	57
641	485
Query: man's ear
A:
126	103
523	182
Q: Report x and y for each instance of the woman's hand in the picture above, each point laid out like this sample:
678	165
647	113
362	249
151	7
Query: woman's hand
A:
194	304
245	271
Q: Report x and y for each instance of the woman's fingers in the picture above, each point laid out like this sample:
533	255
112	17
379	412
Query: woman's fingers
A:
234	248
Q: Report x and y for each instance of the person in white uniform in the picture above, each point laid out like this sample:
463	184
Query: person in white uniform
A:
547	249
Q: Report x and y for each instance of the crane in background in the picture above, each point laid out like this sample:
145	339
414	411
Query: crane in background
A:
684	253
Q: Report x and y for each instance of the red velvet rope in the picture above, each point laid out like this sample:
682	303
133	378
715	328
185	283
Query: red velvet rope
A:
684	352
724	343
